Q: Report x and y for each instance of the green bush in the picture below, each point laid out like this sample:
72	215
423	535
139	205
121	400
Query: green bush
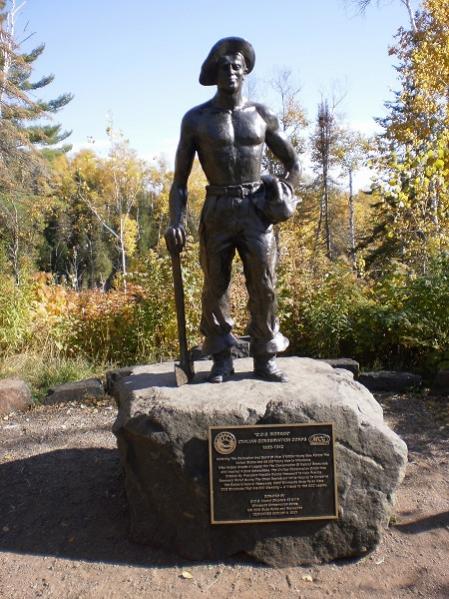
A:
400	321
16	317
316	310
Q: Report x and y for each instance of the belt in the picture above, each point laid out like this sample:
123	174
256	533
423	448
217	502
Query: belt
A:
236	191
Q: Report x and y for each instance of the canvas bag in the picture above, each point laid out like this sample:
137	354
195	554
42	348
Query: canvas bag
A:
276	199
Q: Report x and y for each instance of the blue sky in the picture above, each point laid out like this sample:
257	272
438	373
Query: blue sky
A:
140	60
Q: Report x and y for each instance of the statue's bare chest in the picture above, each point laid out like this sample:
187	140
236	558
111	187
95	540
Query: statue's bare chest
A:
238	127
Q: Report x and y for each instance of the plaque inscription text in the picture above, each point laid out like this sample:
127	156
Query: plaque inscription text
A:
268	473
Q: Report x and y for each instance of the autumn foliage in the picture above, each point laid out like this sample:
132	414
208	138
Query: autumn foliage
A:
85	276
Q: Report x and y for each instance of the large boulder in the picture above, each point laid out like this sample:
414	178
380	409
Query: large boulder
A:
15	396
390	380
162	435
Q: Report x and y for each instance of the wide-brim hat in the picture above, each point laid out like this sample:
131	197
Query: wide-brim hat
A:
227	45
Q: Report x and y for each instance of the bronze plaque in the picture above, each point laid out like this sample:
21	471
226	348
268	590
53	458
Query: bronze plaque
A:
272	473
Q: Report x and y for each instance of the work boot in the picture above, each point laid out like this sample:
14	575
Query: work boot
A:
222	367
265	368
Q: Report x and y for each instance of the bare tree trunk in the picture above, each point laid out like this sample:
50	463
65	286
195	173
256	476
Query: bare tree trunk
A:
326	214
351	222
15	247
159	230
318	229
325	122
92	280
119	237
7	46
434	205
411	16
73	274
123	252
10	218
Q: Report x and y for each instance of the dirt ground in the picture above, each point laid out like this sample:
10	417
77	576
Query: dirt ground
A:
63	520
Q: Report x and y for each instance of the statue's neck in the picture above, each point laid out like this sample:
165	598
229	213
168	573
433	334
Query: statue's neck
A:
229	101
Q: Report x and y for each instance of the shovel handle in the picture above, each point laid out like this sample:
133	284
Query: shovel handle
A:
185	360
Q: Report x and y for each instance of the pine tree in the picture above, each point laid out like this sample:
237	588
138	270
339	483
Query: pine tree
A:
21	117
23	136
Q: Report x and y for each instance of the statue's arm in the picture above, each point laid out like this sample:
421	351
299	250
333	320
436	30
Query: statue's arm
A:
175	235
281	148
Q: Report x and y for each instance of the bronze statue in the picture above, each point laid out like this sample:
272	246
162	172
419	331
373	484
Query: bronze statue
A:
229	133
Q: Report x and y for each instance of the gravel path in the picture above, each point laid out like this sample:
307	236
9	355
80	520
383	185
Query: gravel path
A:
63	520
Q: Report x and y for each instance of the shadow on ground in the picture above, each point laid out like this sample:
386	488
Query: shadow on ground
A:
440	520
70	504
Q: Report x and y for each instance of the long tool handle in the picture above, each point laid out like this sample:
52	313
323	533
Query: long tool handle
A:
185	365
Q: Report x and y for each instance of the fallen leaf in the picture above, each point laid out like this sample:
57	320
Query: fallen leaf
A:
186	575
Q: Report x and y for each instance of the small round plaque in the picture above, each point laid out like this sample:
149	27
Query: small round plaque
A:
225	443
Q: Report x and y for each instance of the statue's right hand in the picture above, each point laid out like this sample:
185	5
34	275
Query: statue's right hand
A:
175	238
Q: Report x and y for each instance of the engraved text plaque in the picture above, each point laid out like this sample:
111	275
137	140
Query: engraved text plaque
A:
272	473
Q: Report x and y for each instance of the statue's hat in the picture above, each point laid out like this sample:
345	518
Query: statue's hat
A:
227	45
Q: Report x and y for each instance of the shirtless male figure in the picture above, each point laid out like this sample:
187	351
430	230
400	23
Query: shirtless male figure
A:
229	133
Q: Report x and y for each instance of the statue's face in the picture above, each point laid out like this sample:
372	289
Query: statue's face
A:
231	72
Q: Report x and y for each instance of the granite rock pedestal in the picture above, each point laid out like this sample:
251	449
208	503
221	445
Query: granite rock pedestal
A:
162	433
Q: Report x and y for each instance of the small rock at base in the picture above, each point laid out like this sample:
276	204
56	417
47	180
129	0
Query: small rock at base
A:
15	396
75	391
344	363
390	380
